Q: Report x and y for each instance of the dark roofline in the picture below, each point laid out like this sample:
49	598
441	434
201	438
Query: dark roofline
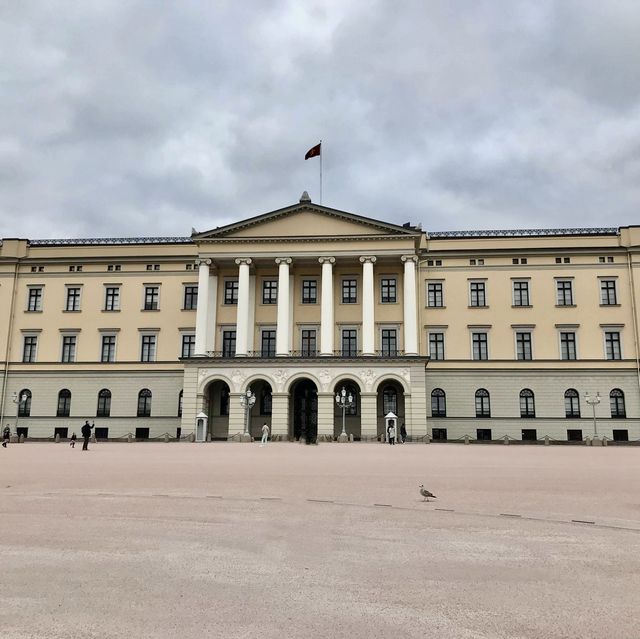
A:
109	241
457	235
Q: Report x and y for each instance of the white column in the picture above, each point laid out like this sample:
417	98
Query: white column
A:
202	312
410	305
282	330
368	306
212	296
327	328
242	317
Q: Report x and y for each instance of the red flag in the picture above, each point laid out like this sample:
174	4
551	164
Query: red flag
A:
313	151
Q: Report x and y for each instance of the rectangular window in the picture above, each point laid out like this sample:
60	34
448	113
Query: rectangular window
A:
612	345
73	298
148	350
228	343
574	435
567	345
480	346
608	295
309	292
478	294
564	291
231	292
620	435
439	434
151	298
108	351
69	348
309	348
529	434
521	294
190	298
523	345
434	294
483	434
436	345
349	342
34	302
29	349
188	345
388	290
268	348
270	292
389	342
112	298
349	291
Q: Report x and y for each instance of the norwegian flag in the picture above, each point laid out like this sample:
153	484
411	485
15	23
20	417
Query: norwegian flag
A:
314	151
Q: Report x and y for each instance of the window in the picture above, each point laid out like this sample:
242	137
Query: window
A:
478	294
571	403
151	298
527	403
73	298
104	403
616	401
529	434
68	348
438	403
523	345
610	259
24	403
574	435
108	350
480	346
620	435
309	292
612	345
439	434
29	349
521	294
567	345
101	433
228	343
34	302
436	345
64	403
268	348
308	337
190	298
608	295
112	298
144	403
231	292
566	260
483	407
388	291
389	342
564	291
483	434
349	342
389	400
270	292
180	396
148	348
142	434
188	345
435	298
349	291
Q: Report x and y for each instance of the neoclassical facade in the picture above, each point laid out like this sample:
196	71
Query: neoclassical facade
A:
486	334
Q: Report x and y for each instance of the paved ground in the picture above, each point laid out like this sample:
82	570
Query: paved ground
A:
237	541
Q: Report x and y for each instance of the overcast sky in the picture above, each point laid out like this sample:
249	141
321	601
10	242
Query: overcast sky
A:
136	118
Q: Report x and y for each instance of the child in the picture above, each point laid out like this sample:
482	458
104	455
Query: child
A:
72	443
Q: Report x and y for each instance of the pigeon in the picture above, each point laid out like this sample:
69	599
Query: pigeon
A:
426	494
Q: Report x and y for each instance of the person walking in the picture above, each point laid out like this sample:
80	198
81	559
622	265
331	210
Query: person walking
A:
265	435
6	436
392	434
86	433
72	443
403	433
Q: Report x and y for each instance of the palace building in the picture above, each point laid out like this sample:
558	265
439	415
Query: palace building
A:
480	333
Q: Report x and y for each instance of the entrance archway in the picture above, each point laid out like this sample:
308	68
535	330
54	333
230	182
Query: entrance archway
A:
216	401
352	416
261	411
390	399
303	411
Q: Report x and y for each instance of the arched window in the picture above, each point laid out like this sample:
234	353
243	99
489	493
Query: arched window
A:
265	401
104	403
616	400
180	394
527	403
144	403
571	403
438	403
483	406
24	403
64	403
389	400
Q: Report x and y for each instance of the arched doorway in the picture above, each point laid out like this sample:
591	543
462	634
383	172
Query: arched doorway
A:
390	399
261	411
216	401
351	414
303	411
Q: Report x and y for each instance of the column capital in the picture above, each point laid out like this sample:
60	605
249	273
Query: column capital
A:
327	260
204	260
283	260
410	258
244	260
368	258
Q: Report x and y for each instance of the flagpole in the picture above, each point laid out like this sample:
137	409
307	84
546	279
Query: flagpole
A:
320	171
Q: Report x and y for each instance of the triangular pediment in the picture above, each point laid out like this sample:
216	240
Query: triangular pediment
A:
305	220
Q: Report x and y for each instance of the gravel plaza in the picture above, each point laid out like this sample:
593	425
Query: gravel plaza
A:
148	540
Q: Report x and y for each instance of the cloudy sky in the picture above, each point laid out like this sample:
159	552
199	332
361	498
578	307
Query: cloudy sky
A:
129	118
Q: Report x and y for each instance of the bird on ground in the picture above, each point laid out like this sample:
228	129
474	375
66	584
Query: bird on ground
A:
426	494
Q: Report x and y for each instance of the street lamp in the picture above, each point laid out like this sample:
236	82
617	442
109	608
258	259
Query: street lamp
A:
344	401
247	400
18	401
593	402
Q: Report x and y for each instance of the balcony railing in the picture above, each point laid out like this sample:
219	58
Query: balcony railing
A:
270	354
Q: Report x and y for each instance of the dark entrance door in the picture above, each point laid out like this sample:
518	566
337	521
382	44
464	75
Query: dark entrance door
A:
305	411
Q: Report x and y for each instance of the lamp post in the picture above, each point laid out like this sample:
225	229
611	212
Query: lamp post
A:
593	401
344	401
18	401
247	400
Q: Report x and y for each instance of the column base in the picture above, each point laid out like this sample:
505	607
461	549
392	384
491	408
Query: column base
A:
596	441
246	438
343	438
